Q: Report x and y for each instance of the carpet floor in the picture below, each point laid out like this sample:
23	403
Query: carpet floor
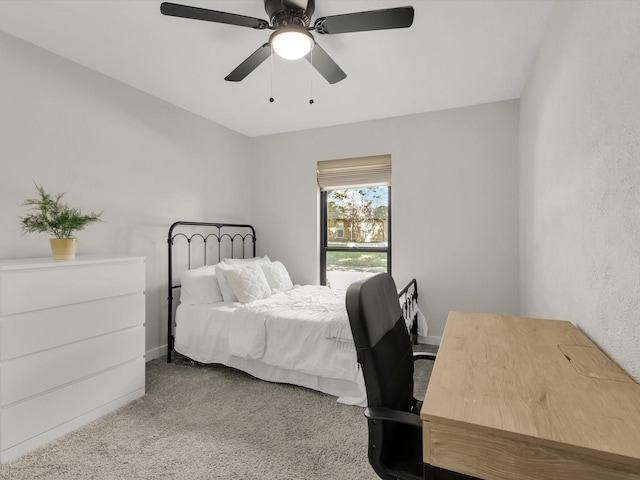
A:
212	422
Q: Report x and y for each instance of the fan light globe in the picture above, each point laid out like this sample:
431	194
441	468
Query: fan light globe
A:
292	44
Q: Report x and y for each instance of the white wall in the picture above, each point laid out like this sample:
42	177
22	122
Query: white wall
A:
580	175
454	202
112	148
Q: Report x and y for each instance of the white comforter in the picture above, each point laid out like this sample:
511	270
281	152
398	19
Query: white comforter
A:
304	331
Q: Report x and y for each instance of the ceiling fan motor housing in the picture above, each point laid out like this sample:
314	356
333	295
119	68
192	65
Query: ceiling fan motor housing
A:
284	13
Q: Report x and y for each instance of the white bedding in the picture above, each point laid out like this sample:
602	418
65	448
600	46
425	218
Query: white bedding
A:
301	336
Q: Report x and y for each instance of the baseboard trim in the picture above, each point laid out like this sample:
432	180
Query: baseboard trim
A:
431	340
155	353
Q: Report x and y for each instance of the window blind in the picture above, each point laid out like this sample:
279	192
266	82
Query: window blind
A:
354	172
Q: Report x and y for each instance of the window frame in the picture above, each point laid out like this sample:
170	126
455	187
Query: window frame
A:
324	247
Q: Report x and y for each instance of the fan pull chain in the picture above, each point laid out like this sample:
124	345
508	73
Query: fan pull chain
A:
311	78
271	58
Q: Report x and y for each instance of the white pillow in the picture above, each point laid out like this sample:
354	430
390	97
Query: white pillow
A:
248	283
223	283
277	276
200	285
225	288
243	261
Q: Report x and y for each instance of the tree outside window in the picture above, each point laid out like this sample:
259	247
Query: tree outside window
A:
356	234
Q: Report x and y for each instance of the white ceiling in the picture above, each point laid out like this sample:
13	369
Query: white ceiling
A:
457	53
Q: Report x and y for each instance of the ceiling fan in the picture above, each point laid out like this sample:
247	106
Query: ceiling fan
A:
291	39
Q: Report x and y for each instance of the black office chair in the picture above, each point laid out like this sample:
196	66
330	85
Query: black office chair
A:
386	357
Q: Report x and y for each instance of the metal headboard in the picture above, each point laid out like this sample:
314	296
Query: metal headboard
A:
205	244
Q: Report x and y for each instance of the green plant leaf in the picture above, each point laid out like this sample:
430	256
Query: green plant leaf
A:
49	214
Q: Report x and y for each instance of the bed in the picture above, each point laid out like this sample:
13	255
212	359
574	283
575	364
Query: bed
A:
244	312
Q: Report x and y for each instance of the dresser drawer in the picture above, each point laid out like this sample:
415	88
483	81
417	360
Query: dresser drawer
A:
30	418
30	332
34	374
30	289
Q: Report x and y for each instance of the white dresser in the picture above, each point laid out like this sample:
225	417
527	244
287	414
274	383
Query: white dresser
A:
72	344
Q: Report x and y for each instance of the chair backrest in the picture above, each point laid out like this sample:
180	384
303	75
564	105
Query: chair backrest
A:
382	342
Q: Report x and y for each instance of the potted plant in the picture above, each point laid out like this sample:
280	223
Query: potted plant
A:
50	214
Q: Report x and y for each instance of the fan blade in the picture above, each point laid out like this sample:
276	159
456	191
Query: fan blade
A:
325	65
185	11
399	17
252	62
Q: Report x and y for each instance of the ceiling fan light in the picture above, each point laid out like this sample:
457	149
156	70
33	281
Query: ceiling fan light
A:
291	44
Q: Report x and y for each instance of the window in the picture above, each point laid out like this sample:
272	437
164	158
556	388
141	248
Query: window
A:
355	219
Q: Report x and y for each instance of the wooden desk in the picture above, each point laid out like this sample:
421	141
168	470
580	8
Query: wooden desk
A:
529	399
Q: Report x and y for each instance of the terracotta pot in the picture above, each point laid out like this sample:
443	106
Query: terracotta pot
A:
63	248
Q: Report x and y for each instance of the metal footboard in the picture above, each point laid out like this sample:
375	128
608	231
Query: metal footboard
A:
408	297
